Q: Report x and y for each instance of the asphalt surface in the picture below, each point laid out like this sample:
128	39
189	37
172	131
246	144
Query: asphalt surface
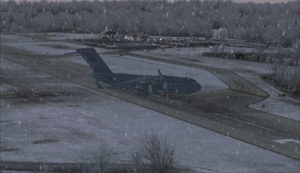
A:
224	111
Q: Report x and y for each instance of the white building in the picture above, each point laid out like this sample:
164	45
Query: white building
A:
220	34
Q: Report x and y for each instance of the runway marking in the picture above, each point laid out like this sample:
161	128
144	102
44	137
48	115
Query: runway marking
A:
248	92
166	100
284	141
69	70
245	122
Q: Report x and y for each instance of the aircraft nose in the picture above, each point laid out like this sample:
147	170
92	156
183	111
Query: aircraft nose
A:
187	86
194	85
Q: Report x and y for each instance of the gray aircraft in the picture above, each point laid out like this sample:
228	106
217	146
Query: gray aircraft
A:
143	85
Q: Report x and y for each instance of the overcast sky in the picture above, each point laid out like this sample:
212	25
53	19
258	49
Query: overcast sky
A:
263	0
256	1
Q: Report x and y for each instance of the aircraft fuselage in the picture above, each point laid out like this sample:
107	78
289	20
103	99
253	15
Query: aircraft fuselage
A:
138	84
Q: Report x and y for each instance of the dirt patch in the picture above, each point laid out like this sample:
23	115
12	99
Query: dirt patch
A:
45	141
4	149
56	46
43	117
35	94
73	105
58	167
5	121
65	93
29	97
12	52
37	97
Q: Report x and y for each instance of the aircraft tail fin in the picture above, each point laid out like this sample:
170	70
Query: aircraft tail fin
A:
100	70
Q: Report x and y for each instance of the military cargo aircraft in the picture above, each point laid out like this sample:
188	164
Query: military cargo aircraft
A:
143	85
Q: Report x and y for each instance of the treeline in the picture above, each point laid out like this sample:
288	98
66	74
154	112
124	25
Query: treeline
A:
269	23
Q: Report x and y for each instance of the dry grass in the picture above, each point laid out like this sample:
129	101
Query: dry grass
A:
155	154
101	162
287	77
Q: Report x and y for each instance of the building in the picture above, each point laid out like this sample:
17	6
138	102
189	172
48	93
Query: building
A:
109	34
220	34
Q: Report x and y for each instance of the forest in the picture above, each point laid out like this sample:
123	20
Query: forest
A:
276	23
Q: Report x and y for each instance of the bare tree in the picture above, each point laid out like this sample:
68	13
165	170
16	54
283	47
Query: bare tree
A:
155	154
270	23
296	54
101	163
